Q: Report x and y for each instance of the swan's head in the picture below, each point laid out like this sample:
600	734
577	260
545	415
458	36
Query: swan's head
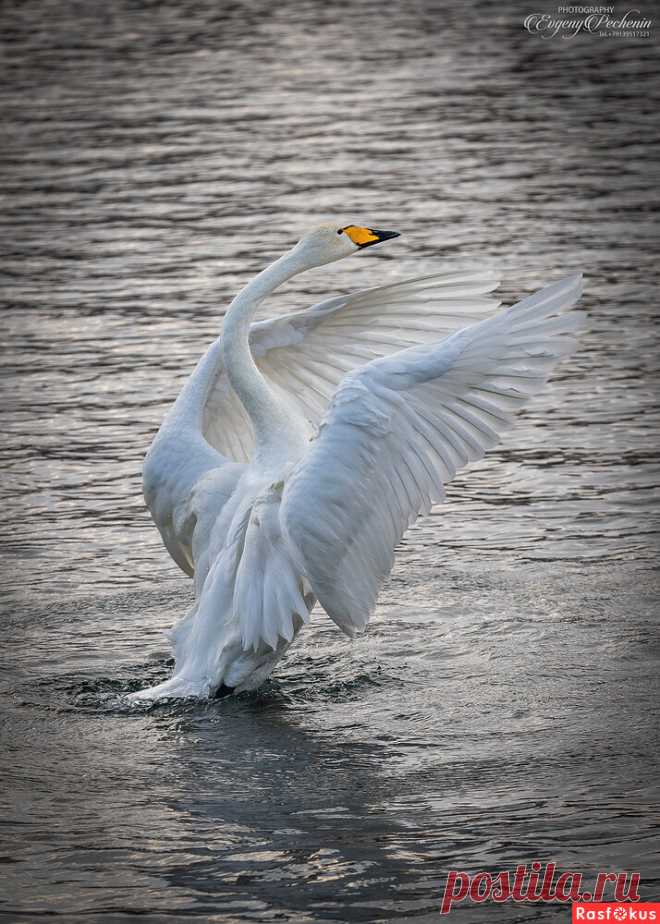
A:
332	242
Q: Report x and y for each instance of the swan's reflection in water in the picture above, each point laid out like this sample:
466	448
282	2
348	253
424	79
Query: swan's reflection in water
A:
348	787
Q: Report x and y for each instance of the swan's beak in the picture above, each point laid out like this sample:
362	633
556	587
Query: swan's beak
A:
365	237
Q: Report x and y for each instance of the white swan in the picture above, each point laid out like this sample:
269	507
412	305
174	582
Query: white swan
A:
270	512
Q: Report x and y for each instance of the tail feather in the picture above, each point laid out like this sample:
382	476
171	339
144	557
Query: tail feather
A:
268	602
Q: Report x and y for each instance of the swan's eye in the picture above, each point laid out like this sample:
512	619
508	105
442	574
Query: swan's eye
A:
340	231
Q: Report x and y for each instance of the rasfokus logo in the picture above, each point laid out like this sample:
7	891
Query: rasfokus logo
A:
599	21
613	912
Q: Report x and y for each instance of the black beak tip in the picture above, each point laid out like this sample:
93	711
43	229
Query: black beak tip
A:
386	235
379	236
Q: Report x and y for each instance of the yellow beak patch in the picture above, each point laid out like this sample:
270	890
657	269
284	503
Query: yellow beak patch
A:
360	236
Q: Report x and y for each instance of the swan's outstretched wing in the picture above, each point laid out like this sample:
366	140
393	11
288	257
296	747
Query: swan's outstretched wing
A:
401	427
305	355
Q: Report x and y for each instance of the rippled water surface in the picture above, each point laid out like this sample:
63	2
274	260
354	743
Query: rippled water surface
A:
503	705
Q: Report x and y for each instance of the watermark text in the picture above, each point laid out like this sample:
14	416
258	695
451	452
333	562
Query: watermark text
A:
536	883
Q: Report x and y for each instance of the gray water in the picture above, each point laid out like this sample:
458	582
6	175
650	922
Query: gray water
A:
502	706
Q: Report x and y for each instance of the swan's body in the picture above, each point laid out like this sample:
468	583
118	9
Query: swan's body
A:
268	513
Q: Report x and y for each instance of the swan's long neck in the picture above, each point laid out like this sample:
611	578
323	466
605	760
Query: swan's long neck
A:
270	420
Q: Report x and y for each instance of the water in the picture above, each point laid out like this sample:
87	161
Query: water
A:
503	705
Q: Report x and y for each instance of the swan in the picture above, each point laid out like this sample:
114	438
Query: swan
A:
301	448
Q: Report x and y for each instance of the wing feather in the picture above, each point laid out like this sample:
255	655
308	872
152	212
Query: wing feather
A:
399	428
306	354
